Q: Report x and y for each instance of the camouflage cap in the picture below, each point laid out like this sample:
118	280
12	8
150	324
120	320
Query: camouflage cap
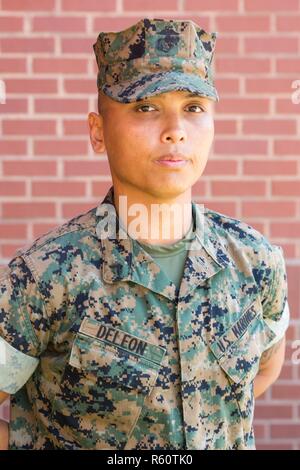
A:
155	56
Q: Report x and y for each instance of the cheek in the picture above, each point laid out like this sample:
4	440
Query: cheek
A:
127	135
205	131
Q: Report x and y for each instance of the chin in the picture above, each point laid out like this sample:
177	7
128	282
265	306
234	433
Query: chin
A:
168	192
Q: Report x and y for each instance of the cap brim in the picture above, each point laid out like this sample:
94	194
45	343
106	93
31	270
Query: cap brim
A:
153	84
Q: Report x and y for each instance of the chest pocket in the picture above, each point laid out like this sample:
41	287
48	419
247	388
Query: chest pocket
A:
239	349
103	389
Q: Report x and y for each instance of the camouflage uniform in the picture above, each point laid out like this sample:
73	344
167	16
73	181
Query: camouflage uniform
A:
124	359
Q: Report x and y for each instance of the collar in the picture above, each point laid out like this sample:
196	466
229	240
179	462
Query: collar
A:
125	260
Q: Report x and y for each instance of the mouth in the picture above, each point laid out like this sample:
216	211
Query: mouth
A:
172	160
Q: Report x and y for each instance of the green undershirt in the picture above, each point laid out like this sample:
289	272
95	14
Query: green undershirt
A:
171	257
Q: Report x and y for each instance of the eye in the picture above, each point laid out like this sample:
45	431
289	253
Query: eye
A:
196	106
139	108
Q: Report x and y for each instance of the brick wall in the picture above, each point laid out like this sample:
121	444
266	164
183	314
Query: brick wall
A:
48	172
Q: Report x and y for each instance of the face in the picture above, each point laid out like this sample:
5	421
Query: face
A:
134	135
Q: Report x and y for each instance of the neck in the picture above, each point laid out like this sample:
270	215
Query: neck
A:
153	219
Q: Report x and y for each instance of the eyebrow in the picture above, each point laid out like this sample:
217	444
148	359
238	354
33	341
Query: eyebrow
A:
186	95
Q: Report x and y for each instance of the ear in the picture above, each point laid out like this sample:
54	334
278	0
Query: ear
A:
96	132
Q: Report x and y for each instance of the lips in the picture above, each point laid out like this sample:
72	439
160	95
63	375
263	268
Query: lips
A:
172	161
172	157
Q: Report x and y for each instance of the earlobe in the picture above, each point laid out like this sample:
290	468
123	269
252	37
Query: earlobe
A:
96	133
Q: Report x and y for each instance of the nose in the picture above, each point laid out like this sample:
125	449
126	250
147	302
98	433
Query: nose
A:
173	132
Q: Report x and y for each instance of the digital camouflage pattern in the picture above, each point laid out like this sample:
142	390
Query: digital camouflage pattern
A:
125	360
155	56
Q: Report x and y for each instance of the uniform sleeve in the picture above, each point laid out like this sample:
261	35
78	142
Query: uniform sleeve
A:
276	312
24	329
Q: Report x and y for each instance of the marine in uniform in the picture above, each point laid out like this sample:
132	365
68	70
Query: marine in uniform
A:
111	343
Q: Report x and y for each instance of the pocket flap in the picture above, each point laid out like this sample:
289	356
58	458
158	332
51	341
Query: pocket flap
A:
114	364
239	349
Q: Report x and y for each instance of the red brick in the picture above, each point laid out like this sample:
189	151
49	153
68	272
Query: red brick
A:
9	249
10	65
288	65
62	24
288	430
28	210
259	430
28	168
243	105
103	23
269	85
228	46
238	188
288	23
81	86
227	85
100	187
218	5
86	168
285	229
152	5
242	65
289	249
11	24
271	5
12	188
59	65
41	229
58	189
271	45
273	446
13	147
269	126
14	106
225	126
255	167
26	127
72	209
291	333
243	147
61	105
77	45
31	85
285	188
268	209
243	23
28	5
287	370
60	147
221	167
89	5
17	231
287	147
76	127
293	274
286	106
28	45
227	208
